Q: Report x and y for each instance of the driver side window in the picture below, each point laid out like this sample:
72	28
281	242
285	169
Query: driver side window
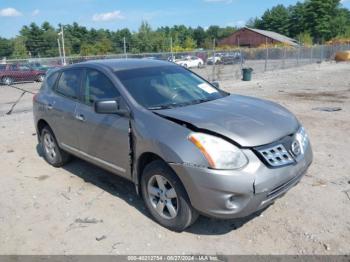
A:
97	86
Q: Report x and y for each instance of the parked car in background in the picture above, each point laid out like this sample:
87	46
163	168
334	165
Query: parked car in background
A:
232	58
38	66
214	59
188	146
190	62
11	73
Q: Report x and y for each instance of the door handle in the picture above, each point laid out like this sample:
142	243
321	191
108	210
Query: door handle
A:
49	107
80	117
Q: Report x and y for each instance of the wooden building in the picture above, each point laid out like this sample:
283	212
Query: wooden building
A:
249	37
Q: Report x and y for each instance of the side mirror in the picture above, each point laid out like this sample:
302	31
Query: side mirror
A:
109	107
216	84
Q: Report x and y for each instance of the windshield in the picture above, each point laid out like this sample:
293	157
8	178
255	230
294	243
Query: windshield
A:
167	86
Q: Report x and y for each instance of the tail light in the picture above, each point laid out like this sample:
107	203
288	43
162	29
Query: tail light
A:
34	97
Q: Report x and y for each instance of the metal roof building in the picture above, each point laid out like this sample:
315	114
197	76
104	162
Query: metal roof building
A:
251	37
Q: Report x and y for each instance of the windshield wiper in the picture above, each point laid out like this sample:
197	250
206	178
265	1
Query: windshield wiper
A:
167	106
173	105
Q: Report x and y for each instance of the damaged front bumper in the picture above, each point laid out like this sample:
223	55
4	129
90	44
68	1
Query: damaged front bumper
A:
239	193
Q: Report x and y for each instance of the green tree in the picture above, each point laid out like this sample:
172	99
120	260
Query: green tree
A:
276	19
319	15
6	47
199	36
297	18
34	39
305	39
189	44
103	46
19	48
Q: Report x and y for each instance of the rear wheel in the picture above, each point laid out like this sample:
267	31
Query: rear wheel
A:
6	80
166	198
53	154
40	78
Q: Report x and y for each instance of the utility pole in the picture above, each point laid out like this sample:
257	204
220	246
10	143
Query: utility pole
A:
171	49
267	54
59	50
125	54
213	76
63	51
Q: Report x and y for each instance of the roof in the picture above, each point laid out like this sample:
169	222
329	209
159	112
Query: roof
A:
276	36
127	64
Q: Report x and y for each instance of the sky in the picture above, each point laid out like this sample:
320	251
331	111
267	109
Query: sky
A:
117	14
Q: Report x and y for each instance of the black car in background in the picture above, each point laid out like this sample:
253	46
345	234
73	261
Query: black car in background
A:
232	58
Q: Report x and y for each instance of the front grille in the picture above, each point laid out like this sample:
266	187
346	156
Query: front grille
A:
276	155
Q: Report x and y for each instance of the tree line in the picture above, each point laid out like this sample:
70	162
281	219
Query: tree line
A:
311	21
41	41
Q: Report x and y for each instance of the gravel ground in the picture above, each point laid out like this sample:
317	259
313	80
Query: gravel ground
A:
81	209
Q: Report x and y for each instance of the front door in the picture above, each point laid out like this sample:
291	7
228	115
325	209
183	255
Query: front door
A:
103	138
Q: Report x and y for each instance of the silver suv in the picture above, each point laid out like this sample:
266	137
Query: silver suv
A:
188	146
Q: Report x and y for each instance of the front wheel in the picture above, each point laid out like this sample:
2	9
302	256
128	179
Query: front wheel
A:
166	198
7	80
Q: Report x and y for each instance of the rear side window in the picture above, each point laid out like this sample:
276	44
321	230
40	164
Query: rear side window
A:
51	80
69	83
97	86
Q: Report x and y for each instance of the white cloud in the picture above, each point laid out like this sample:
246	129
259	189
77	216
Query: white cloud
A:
110	16
219	1
35	12
9	12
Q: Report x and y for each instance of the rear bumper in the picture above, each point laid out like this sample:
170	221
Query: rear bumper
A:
233	194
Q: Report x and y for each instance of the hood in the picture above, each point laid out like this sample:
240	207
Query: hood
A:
247	121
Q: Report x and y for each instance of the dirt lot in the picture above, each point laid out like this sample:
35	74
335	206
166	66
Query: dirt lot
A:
81	209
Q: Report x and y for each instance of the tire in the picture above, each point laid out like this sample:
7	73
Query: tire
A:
185	65
6	80
199	65
53	154
40	78
184	215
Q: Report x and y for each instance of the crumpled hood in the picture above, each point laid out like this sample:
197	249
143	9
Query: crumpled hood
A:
246	120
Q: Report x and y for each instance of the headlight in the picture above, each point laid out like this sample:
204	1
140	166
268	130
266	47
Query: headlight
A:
303	139
219	153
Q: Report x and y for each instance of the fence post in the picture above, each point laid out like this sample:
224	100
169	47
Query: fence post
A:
298	55
213	73
267	55
311	54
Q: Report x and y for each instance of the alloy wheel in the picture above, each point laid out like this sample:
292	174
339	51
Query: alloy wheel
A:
163	197
50	146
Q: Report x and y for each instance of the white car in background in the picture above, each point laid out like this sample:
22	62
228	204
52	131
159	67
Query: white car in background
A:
190	62
214	60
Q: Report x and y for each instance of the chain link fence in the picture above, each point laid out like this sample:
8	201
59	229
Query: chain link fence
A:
212	65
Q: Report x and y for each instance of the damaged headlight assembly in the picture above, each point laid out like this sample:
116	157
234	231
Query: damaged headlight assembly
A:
219	153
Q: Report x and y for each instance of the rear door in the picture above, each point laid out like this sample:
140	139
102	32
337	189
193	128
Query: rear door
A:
62	105
103	137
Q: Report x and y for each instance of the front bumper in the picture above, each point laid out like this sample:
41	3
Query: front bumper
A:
239	193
